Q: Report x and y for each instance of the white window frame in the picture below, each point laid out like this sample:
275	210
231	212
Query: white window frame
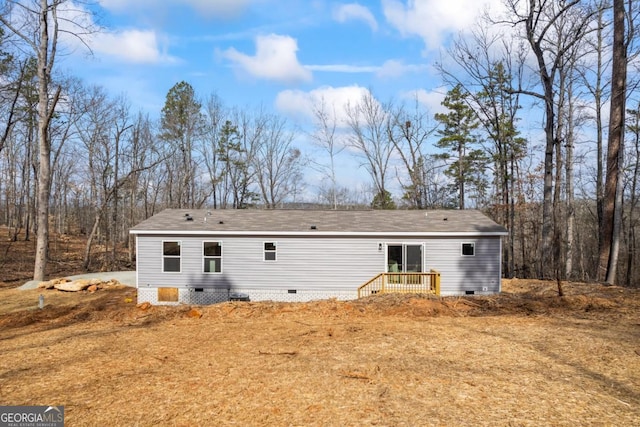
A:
179	257
206	257
473	245
266	251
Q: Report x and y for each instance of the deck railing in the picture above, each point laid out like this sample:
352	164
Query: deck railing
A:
407	283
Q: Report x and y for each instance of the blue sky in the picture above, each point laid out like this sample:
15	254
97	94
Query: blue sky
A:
281	54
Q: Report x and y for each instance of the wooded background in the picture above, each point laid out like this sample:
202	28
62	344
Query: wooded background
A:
77	160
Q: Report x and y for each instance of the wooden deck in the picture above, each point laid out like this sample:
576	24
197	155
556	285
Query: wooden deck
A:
407	283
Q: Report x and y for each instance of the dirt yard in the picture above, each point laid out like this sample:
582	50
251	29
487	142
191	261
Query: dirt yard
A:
523	358
526	357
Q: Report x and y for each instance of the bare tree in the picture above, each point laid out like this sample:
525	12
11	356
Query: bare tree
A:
596	82
145	150
551	28
63	161
245	132
344	197
143	157
10	92
215	119
118	153
19	142
278	164
36	24
409	131
633	162
95	133
324	136
368	123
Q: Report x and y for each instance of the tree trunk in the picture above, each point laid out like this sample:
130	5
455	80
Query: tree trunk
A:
87	250
612	198
570	209
612	266
558	218
547	194
461	188
597	92
633	199
545	259
512	220
44	165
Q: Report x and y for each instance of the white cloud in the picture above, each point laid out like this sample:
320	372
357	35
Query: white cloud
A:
275	59
115	4
210	8
394	68
300	104
390	69
219	8
432	20
79	31
355	12
344	68
135	46
431	100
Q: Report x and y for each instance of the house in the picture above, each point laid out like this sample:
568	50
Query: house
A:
202	257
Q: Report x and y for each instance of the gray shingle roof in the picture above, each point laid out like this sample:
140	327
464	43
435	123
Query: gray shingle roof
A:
253	221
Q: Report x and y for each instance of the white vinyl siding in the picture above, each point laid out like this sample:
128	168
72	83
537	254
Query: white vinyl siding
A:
311	263
459	273
303	263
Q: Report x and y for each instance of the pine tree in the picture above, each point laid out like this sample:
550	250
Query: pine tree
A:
383	200
181	123
465	161
235	176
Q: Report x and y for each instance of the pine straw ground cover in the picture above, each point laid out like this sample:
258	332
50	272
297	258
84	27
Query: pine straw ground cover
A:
525	357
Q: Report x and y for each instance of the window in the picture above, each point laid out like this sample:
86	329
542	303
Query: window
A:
212	253
171	257
468	249
270	251
404	258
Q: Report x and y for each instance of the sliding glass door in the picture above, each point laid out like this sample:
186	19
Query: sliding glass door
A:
404	258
